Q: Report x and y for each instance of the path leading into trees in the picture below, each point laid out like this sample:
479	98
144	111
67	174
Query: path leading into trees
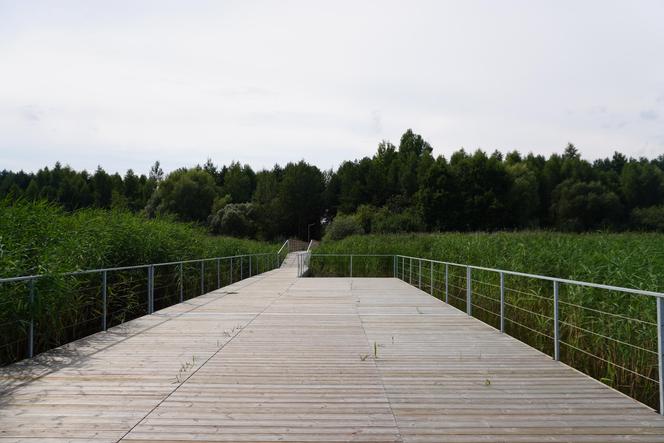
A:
277	358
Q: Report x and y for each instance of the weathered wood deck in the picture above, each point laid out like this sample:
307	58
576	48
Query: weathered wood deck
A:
276	358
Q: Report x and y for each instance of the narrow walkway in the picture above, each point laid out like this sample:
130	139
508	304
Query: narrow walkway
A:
276	358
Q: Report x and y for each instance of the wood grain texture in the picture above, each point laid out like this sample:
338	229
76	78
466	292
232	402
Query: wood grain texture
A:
276	358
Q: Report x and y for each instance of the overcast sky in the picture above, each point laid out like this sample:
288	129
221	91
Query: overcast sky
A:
121	84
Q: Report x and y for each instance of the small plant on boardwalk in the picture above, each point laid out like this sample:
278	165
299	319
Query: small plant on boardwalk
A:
184	369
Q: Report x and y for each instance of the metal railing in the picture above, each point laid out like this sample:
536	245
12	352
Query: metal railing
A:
283	252
612	333
41	312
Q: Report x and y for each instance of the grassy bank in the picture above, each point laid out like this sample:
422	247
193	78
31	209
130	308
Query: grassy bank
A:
41	238
609	335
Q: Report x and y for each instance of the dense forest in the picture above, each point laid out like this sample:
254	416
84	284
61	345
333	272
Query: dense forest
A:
401	188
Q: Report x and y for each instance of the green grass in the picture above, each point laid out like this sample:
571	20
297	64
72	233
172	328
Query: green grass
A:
41	238
602	331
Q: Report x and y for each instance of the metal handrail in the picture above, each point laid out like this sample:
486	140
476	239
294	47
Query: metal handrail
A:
253	264
125	268
543	277
282	247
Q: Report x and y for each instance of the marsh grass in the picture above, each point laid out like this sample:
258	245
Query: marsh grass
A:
607	334
40	238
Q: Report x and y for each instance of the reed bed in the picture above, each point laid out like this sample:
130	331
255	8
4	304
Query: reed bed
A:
41	238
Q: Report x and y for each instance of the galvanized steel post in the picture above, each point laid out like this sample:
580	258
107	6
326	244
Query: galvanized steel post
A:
241	267
103	298
469	293
394	266
410	272
502	302
556	329
403	268
231	272
447	293
431	278
181	282
150	289
202	277
250	266
31	330
660	351
351	266
218	274
419	274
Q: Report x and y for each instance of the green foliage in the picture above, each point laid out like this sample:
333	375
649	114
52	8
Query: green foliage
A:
299	201
235	219
186	193
649	219
42	238
74	190
343	226
238	182
580	206
467	191
388	222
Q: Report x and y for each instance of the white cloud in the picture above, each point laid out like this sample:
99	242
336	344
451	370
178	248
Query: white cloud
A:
124	83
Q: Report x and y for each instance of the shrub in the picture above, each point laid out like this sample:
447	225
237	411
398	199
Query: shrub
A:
343	226
188	194
386	222
651	219
235	219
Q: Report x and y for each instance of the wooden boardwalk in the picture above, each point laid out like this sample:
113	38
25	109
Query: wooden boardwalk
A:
276	358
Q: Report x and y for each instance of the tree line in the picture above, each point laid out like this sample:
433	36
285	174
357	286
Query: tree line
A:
402	188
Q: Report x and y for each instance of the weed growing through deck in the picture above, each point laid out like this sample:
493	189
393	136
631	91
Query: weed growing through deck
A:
184	369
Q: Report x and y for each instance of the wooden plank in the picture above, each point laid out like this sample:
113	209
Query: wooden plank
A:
276	358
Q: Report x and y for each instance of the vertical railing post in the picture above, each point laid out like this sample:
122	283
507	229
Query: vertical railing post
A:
469	293
556	327
410	272
351	266
31	330
242	267
250	266
419	275
231	272
431	277
150	289
103	300
149	275
202	277
660	351
394	266
218	273
447	292
181	282
502	302
403	268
